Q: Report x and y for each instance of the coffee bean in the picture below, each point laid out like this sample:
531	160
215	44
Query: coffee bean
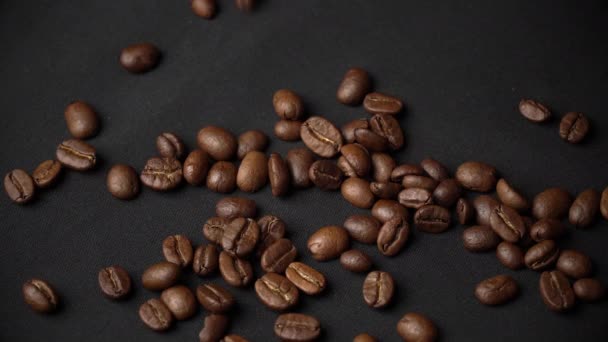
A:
405	170
253	172
355	260
233	207
47	173
297	327
76	155
348	130
114	282
205	260
325	174
299	161
362	228
214	228
252	140
497	290
354	161
235	271
415	197
357	192
214	298
432	219
245	5
388	127
387	190
417	328
160	276
476	176
305	278
180	301
589	289
288	105
364	338
203	8
214	327
534	111
321	136
328	243
435	169
177	249
378	103
162	174
510	255
218	142
233	338
354	86
551	203
464	211
382	166
542	255
196	167
393	236
122	182
278	256
40	296
19	186
81	119
556	292
484	207
385	210
507	223
288	130
447	192
272	228
155	314
378	289
584	209
222	177
371	140
140	58
547	229
415	181
574	127
276	292
241	236
278	175
480	239
574	264
604	203
511	197
170	145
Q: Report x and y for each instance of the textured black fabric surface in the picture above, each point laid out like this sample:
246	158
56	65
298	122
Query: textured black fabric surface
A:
461	67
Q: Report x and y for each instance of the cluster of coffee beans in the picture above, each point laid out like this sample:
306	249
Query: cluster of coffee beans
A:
573	126
207	8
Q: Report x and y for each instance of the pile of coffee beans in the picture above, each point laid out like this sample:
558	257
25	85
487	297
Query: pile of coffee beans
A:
573	126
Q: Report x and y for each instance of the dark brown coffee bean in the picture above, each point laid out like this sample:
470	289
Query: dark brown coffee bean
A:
357	192
547	229
114	282
556	292
382	166
203	8
507	223
278	175
435	169
328	243
510	255
387	126
241	236
378	289
180	301
47	173
196	167
222	177
235	271
276	292
497	290
464	211
205	260
348	130
432	219
355	260
214	327
305	278
288	130
19	186
574	264
325	174
214	228
534	111
245	5
371	140
122	182
177	249
40	296
511	197
160	276
321	136
604	203
233	207
416	327
214	298
218	142
385	210
139	58
393	236
253	172
278	256
589	289
161	174
155	314
364	338
484	207
362	228
76	155
170	145
354	161
287	104
299	161
476	176
542	255
415	181
584	209
415	197
272	228
480	239
297	327
354	86
253	140
447	192
405	170
378	103
81	119
574	127
551	203
387	190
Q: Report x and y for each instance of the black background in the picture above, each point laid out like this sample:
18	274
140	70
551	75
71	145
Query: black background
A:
460	67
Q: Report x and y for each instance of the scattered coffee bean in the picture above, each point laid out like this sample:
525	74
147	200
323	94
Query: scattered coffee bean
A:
574	264
222	177
484	207
604	203
321	136
218	142
245	5
507	223
348	130
393	236
233	207
297	327
364	338
584	209
81	119
241	236
278	175
288	130
122	182
19	186
542	255
40	296
325	174
480	239
355	260
354	161
214	298
278	256
388	127
363	228
378	103
417	327
276	292
288	105
160	276
387	190
382	166
406	170
464	211
170	145
378	289
203	8
299	161
205	260
47	173
328	243
214	327
415	197
354	86
155	314
534	111
196	167
177	249
162	174
551	203
253	172
496	290
233	338
139	58
357	192
476	176
435	169
76	155
272	228
547	229
371	140
510	255
432	219
416	181
252	140
574	127
385	210
114	282
589	289
556	291
235	271
511	197
214	228
447	192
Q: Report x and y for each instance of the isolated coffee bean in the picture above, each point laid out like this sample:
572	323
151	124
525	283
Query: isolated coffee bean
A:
155	314
245	5
214	327
162	174
297	327
218	142
507	223
288	130
253	172
386	190
362	228
534	111
214	228
252	140
354	86
364	338
328	243
378	103
19	186
476	176
214	298
382	167
321	136
416	181
378	289
589	289
272	228
205	260
511	197
278	256
510	255
447	192
357	192
47	173
385	210
122	182
496	290
276	292
484	206
604	203
432	219
371	140
355	260
305	278
435	169
405	170
241	236
393	236
160	276
584	209
180	301
547	229
388	127
556	291
40	296
415	197
355	161
222	177
287	104
114	282
139	58
177	249
417	327
203	8
325	174
542	255
170	145
348	130
196	167
235	271
76	155
233	207
81	119
480	239
464	211
299	161
278	175
574	127
551	203
574	264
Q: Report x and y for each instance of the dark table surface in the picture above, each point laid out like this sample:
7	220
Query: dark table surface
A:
461	68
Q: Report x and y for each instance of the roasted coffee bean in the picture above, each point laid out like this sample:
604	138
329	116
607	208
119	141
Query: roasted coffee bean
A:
180	301
222	177
177	249
305	278
241	236
297	327
432	219
288	130
218	142
40	296
386	190
480	239
81	119
233	338
276	292
233	207
547	229
496	290
534	111
214	228
139	58
245	5
415	197
214	298
387	126
417	327
214	327
447	192
604	203
348	130
161	174
556	291
435	169
378	103
252	140
287	104
364	338
325	174
122	182
584	209
574	127
511	197
378	289
385	210
321	136
357	192
507	223
371	140
196	167
114	282
278	256
510	255
354	161
206	260
299	161
484	206
76	155
393	236
415	181
328	243
476	176
47	173
464	211
19	186
354	86
574	264
405	170
156	315
278	175
355	260
362	228
160	276
382	166
272	228
203	8
253	172
542	255
551	203
235	271
589	289
170	145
